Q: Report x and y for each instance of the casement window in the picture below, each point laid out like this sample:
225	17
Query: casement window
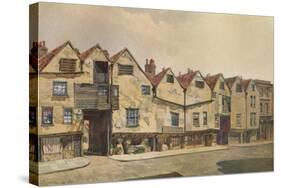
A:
222	85
217	121
59	88
253	87
170	78
266	108
32	116
195	118
67	65
253	119
238	120
67	116
205	118
47	115
238	88
199	84
253	101
132	117
102	90
101	71
175	119
145	89
125	69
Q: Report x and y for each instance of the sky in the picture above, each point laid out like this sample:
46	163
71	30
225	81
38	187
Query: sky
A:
212	43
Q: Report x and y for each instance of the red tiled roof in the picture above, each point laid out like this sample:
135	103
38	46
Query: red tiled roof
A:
246	83
88	52
230	81
212	80
155	80
33	61
186	79
115	57
45	60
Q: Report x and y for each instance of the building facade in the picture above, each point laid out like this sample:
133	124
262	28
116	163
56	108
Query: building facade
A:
265	103
198	109
221	106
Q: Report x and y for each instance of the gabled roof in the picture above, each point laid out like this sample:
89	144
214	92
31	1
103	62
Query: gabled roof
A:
155	80
186	79
212	80
230	81
33	62
116	56
88	52
246	83
45	60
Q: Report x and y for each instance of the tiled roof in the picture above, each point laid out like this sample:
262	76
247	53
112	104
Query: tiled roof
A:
88	52
155	80
45	60
230	81
246	83
33	61
212	80
186	79
115	57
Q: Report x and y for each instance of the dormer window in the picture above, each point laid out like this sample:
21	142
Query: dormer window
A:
222	85
67	65
199	84
253	88
238	88
170	78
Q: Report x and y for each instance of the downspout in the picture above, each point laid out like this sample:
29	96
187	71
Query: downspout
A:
109	124
246	98
184	109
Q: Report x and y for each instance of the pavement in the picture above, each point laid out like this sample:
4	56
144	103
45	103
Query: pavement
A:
257	158
257	143
58	165
160	154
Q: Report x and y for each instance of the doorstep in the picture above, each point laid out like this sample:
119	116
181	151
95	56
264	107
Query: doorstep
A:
58	165
159	154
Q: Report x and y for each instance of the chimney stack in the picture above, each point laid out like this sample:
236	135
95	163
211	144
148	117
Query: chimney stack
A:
150	67
39	49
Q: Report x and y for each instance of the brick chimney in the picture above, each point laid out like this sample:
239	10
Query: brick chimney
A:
39	49
150	67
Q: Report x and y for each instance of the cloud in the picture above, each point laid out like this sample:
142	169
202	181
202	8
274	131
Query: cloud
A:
212	43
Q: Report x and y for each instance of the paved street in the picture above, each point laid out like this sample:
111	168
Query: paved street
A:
232	160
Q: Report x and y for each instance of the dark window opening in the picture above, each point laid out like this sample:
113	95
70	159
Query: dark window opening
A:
170	78
47	115
175	119
101	72
199	84
125	69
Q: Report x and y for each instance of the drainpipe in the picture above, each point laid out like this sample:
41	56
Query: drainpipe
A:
109	124
246	98
184	109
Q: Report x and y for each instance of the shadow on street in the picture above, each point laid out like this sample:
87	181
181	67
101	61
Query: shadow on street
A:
246	165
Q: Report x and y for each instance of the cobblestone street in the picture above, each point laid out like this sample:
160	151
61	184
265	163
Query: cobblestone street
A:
232	160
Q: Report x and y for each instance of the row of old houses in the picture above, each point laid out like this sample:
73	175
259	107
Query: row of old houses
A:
94	103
